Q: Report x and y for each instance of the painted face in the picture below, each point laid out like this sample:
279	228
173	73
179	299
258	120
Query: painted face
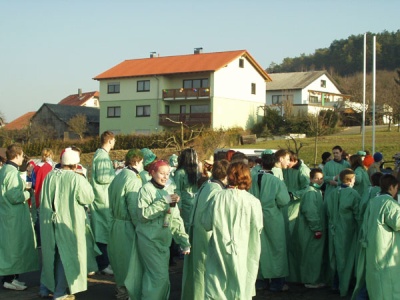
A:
337	155
161	175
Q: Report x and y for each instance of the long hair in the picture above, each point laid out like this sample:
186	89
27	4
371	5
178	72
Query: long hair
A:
187	161
356	161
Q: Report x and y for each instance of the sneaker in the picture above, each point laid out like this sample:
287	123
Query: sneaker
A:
107	271
19	282
14	286
91	273
315	286
45	296
68	297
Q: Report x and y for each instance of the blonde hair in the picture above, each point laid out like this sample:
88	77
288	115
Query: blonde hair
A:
46	153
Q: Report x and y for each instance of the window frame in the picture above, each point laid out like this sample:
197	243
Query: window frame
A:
112	88
253	88
114	110
323	83
189	83
143	114
241	62
142	88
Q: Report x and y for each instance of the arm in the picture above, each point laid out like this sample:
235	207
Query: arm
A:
282	197
131	198
178	231
151	206
85	193
208	215
310	211
103	170
392	215
15	193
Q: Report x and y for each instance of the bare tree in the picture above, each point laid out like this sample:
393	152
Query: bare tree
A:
2	119
318	127
179	141
78	125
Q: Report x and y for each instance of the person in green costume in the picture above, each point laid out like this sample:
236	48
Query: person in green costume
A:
274	197
148	158
123	196
63	228
333	168
342	208
282	161
103	174
158	222
362	182
194	265
186	176
372	192
18	253
234	218
309	232
379	261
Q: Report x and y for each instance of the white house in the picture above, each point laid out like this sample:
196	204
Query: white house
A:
218	90
307	92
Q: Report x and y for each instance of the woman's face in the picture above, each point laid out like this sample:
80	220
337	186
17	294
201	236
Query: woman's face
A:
161	175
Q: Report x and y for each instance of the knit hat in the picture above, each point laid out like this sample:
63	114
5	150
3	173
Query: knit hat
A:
361	153
69	157
378	156
267	151
173	160
148	156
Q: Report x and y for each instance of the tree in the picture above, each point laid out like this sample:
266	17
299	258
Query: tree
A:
2	119
179	141
78	124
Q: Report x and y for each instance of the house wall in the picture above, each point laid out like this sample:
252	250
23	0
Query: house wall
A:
46	118
92	102
316	86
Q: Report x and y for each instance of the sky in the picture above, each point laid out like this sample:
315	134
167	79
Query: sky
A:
51	48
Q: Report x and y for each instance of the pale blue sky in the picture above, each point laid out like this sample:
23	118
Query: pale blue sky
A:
50	48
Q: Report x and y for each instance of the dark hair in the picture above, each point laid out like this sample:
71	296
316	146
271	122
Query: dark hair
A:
13	151
337	148
313	172
106	136
239	175
356	161
387	181
293	156
375	178
219	169
325	156
187	161
281	153
346	175
268	161
238	156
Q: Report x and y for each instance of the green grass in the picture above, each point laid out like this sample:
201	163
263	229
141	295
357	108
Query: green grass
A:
386	142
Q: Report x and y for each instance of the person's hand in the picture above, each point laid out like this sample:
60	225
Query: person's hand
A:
175	198
317	235
186	252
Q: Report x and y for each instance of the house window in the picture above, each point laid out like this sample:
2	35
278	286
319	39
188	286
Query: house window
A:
241	63
199	109
182	109
323	83
196	83
143	86
278	99
113	88
253	88
166	109
313	99
143	111
113	111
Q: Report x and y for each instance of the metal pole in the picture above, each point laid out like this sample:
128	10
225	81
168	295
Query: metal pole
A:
364	88
373	93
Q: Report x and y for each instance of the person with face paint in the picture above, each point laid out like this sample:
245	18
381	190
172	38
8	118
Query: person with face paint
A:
342	208
158	222
123	196
333	168
309	232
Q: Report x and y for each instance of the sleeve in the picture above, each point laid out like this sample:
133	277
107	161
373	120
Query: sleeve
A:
356	208
257	218
15	193
282	196
359	175
310	211
103	170
178	229
131	199
304	182
392	215
326	171
149	208
85	194
208	215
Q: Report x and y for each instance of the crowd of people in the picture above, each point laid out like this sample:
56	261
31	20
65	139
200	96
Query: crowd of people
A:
240	224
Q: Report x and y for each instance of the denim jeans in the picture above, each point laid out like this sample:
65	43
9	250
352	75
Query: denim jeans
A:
61	288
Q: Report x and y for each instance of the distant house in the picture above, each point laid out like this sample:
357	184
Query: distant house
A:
20	123
52	119
89	99
307	92
217	90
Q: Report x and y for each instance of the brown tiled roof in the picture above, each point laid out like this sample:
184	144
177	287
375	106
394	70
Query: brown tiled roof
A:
76	100
20	123
202	62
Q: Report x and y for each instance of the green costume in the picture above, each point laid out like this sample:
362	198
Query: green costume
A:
123	193
63	227
277	172
194	265
187	192
379	259
309	249
18	252
362	183
274	197
372	192
102	175
235	219
145	176
153	242
333	168
342	208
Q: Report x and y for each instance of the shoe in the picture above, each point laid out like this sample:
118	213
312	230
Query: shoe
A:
45	296
91	273
284	288
315	286
107	271
68	297
19	282
14	286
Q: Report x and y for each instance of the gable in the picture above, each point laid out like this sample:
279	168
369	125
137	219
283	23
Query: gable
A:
78	100
65	112
21	122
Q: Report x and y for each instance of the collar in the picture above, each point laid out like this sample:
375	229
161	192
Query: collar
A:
342	185
297	165
157	185
223	186
133	169
9	162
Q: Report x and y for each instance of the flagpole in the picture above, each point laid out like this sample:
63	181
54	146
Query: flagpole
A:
364	88
373	93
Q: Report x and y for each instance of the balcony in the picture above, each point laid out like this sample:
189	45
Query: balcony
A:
186	94
187	119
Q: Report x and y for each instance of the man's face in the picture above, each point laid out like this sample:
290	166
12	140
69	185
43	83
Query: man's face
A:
20	159
285	161
337	154
112	143
393	190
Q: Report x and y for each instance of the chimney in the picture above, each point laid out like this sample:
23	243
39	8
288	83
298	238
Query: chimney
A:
80	92
198	50
153	54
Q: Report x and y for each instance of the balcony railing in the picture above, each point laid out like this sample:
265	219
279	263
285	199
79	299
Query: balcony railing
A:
186	94
187	119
